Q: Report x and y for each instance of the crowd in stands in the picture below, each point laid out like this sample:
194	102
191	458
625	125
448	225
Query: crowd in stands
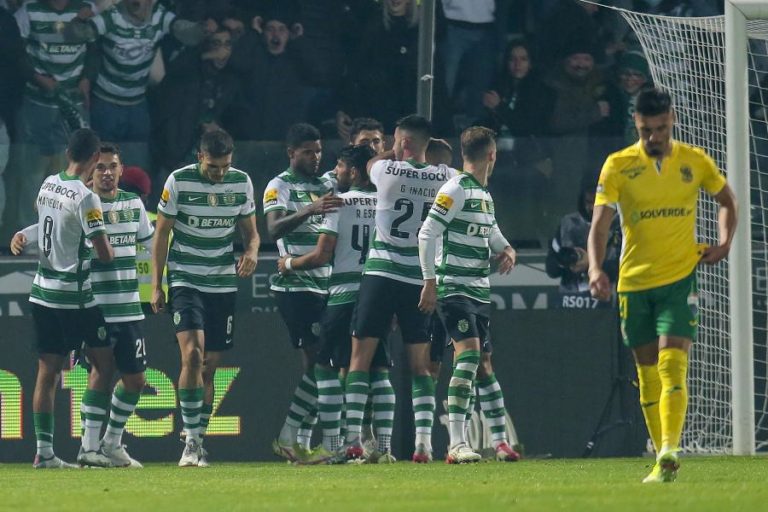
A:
555	78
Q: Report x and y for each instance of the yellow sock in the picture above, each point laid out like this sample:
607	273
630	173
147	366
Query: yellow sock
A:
673	371
650	393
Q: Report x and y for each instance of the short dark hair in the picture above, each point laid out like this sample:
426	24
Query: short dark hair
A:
416	124
300	133
357	156
109	147
82	145
364	123
475	141
652	102
216	143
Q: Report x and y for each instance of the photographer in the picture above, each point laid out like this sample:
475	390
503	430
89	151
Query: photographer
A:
567	255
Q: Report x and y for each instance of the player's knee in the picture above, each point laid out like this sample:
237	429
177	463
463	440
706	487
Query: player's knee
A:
485	369
192	357
134	383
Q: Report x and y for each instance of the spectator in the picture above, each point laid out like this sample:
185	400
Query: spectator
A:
195	97
55	95
271	78
468	48
567	254
633	77
128	35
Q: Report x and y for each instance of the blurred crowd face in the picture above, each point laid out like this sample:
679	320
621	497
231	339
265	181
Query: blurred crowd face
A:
276	36
655	132
398	7
106	174
305	159
373	138
138	8
631	81
221	43
518	62
579	65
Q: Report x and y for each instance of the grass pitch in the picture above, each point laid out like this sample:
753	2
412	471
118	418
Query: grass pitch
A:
717	484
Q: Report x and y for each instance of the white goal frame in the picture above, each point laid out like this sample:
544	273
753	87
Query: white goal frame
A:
737	12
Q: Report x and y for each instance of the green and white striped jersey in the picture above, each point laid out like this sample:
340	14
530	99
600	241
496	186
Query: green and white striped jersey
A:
201	255
42	27
127	53
331	179
115	284
353	226
405	193
290	192
68	215
463	214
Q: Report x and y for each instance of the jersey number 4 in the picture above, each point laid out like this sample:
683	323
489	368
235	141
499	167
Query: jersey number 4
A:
407	205
359	244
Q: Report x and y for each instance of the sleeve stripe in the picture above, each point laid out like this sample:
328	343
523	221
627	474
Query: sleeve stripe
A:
437	218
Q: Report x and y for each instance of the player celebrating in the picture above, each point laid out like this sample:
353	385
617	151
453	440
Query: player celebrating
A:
294	203
344	239
463	215
201	204
392	281
63	307
655	185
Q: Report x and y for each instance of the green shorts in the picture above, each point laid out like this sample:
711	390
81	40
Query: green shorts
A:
671	310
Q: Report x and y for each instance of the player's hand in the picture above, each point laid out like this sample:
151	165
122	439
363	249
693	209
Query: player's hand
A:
506	260
582	264
714	254
491	99
158	301
48	83
604	107
599	285
281	265
326	204
428	299
246	265
18	242
84	86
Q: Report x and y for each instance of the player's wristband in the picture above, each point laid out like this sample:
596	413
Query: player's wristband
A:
288	265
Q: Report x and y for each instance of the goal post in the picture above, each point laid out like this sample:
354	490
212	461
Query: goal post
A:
716	69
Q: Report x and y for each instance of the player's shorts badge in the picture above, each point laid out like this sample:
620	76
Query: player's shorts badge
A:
176	318
463	325
101	332
213	199
316	328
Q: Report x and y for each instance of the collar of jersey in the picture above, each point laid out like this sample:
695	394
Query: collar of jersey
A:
66	177
672	154
418	165
369	188
302	179
472	177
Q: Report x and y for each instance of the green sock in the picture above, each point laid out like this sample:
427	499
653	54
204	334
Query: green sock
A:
330	398
459	392
123	405
383	408
94	408
44	433
355	397
191	402
303	403
423	396
492	405
205	417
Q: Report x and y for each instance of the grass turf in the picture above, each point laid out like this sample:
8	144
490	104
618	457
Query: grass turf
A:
717	484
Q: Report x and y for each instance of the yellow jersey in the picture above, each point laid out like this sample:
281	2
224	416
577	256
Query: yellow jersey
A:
657	202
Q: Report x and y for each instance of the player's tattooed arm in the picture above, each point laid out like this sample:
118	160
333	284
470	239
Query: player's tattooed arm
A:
279	223
163	228
251	242
319	256
599	284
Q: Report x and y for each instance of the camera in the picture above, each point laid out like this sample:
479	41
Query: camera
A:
567	256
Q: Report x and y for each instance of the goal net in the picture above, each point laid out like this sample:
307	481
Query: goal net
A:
687	58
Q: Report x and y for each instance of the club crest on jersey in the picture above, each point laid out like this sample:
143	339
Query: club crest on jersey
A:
213	199
270	197
94	218
463	325
443	203
229	198
114	217
686	174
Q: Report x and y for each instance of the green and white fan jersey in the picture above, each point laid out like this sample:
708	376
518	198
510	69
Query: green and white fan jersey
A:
405	193
68	215
115	284
353	226
201	255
